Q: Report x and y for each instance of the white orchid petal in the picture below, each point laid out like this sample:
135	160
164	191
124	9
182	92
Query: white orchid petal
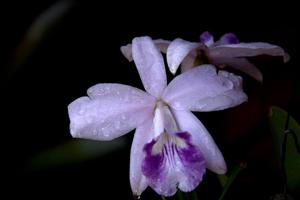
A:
111	114
143	134
201	138
247	50
188	62
161	44
241	64
203	89
164	120
177	51
150	65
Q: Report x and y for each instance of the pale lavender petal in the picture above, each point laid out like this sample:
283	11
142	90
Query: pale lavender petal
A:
143	134
171	161
189	61
161	44
207	38
177	51
120	91
202	139
247	50
203	89
164	120
228	38
150	65
107	116
241	64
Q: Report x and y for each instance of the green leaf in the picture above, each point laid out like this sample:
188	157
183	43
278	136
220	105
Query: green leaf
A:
74	151
278	118
43	26
231	178
179	195
163	198
194	195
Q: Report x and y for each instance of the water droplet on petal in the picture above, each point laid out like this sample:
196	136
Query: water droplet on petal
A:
134	92
228	84
82	110
177	105
117	124
123	117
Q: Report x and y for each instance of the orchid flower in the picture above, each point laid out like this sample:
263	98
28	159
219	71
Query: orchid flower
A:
161	44
171	148
227	51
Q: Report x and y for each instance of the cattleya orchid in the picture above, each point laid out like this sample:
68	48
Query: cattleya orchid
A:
227	51
171	148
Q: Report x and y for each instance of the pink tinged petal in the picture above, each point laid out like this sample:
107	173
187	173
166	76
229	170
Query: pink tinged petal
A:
177	51
127	52
161	44
189	61
241	64
207	38
202	139
111	111
172	161
150	65
203	89
143	135
247	50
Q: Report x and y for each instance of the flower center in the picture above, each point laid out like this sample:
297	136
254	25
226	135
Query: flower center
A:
171	160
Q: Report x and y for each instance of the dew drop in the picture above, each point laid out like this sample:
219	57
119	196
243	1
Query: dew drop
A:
177	105
134	92
81	111
228	84
117	124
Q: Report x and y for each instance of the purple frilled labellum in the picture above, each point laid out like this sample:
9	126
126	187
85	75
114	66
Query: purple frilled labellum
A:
174	158
171	147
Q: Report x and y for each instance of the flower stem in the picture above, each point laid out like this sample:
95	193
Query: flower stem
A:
163	198
180	195
194	195
232	177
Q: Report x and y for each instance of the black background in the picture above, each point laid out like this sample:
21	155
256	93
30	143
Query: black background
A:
84	50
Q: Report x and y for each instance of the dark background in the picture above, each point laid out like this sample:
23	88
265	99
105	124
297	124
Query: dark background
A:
83	49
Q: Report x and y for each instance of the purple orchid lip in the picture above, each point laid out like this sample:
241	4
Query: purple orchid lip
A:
172	161
206	38
229	38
